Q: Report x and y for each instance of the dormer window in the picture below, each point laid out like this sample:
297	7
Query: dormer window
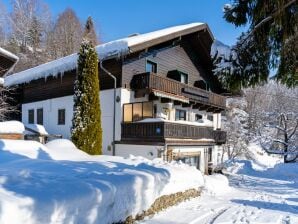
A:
184	78
151	66
178	76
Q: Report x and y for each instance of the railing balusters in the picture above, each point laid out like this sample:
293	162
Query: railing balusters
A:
154	81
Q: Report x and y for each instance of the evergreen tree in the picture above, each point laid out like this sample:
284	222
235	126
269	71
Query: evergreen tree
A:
86	130
270	43
90	33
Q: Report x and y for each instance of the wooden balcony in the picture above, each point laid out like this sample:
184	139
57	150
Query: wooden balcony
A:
163	131
200	99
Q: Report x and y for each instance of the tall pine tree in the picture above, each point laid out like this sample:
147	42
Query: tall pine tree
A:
89	32
269	44
86	130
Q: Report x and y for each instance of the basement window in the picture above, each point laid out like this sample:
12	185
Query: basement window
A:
61	117
31	116
151	66
40	116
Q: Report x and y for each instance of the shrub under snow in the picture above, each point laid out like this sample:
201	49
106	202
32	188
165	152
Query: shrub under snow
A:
57	183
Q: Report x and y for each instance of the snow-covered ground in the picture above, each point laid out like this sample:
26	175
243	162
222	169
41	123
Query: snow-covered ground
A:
57	183
255	194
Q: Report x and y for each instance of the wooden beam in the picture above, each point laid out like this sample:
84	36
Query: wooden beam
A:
177	103
186	105
165	100
211	109
152	97
196	106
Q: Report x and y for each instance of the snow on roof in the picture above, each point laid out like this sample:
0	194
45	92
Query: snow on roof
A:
35	128
110	49
11	127
8	54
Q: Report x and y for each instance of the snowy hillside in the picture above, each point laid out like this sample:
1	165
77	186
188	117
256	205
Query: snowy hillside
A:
57	183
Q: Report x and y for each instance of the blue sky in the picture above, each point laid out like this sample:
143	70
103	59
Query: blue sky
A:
120	18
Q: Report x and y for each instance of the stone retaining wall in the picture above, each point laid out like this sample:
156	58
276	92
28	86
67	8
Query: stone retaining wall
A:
164	202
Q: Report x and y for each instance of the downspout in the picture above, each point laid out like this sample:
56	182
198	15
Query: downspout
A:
114	112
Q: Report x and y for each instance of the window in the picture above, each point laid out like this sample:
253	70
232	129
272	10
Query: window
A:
127	113
180	115
190	160
210	117
61	116
151	66
209	154
198	117
137	111
147	110
40	116
184	78
31	116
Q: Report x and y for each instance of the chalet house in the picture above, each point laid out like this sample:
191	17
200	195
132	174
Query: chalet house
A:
166	100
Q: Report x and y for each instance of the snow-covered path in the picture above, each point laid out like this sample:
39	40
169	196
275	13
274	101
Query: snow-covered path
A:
254	197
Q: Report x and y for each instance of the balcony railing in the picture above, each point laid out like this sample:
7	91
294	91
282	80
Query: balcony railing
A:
153	81
160	131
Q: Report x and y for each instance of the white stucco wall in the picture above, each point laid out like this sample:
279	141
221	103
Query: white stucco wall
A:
50	114
147	151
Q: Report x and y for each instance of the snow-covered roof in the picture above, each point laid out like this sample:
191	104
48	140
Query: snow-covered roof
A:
11	127
8	54
7	61
115	48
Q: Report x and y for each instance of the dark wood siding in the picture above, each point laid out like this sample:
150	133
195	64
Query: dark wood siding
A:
174	58
113	66
52	87
63	85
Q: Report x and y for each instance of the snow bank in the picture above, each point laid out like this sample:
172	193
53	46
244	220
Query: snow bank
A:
63	149
261	158
11	127
216	184
37	128
41	185
114	48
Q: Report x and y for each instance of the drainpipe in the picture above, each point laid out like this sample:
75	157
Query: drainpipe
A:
114	112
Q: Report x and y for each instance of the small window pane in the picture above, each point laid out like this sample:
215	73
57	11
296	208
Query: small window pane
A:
40	116
180	115
184	78
31	116
148	110
209	154
198	117
127	113
210	117
137	112
151	67
61	116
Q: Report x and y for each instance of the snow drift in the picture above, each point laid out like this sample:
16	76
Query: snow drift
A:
57	183
12	127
